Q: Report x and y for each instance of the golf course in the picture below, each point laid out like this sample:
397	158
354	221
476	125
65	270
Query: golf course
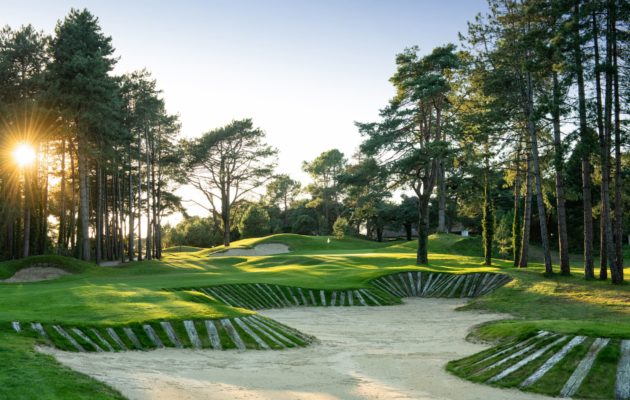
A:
166	304
315	200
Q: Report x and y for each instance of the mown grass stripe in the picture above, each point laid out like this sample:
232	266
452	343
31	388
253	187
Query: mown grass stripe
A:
270	298
360	298
622	385
148	329
192	334
214	294
404	285
112	334
367	294
284	296
269	332
251	334
395	285
247	294
255	295
69	338
37	327
466	284
170	333
555	359
458	283
575	380
101	339
86	339
295	299
213	335
418	283
518	345
233	334
131	335
322	297
535	355
275	325
304	302
231	293
511	356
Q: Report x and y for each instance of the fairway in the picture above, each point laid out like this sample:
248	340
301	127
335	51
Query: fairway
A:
174	302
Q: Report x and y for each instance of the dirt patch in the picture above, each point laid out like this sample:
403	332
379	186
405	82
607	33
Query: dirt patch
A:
265	249
36	273
365	353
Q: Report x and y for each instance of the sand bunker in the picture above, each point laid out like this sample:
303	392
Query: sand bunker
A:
265	249
36	274
365	353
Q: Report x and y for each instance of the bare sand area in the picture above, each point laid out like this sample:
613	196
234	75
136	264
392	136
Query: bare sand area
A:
36	274
396	352
265	249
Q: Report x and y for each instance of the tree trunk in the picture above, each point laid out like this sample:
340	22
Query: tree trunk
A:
27	213
531	126
149	239
131	239
584	146
408	231
99	213
441	199
527	216
516	223
422	256
603	259
487	221
618	184
616	271
563	237
61	240
225	216
139	199
84	210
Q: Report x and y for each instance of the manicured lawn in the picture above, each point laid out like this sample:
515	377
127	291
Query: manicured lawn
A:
134	293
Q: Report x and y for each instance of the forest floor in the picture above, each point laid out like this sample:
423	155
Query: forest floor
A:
150	291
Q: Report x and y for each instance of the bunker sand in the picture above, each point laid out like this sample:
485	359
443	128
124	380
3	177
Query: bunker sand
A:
396	352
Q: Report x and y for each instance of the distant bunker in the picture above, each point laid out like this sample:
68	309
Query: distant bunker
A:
36	273
266	249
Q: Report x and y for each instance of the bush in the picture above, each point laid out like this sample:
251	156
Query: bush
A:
255	222
340	227
304	225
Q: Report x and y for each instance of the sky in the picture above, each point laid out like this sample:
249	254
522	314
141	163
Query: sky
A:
304	71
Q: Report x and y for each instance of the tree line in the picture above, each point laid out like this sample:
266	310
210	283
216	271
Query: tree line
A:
105	147
519	133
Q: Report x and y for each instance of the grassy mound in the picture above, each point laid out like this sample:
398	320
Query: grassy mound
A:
71	265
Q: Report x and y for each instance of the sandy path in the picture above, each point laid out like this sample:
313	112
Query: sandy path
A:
394	352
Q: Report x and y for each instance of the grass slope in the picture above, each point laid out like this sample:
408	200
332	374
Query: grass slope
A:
135	293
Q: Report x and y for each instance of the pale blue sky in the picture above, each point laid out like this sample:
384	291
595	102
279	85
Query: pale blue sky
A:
303	70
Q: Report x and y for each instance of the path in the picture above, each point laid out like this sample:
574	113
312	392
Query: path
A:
396	352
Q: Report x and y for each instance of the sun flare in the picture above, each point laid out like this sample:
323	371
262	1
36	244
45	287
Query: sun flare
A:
24	154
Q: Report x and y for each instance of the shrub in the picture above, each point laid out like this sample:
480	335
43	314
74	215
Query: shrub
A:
340	227
255	222
304	225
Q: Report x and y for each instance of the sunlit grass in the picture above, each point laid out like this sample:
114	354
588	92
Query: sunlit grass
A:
149	290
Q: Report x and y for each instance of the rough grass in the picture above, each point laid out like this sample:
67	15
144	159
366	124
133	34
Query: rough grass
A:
27	374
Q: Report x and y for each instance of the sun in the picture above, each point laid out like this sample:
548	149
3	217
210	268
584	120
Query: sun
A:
24	154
